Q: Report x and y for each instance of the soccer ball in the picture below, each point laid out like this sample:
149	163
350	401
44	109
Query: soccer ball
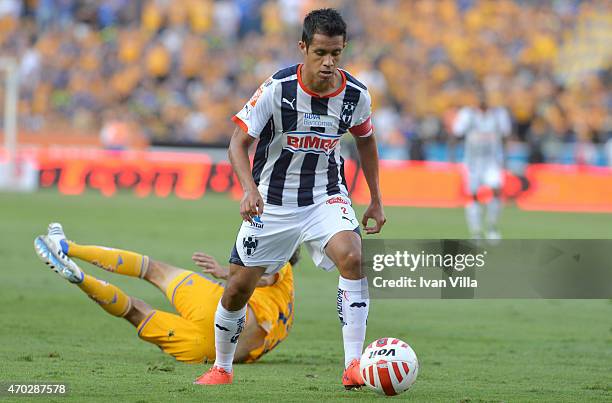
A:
389	366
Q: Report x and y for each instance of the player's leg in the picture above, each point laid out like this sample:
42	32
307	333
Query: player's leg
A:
196	298
333	240
175	335
252	337
118	261
109	297
138	312
353	301
473	208
230	321
473	214
110	259
161	274
128	263
188	342
262	246
493	213
114	301
493	179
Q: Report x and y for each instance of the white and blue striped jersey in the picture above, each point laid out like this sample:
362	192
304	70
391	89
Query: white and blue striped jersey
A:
484	132
297	160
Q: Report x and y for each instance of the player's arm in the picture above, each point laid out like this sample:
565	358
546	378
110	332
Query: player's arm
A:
368	154
251	203
250	120
210	266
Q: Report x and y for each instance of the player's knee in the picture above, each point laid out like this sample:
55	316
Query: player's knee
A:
240	289
236	295
351	263
154	271
161	274
138	311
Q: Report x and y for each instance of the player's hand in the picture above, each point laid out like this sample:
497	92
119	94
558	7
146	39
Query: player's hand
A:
375	212
210	265
251	205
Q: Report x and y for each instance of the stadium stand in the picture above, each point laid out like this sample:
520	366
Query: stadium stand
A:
175	71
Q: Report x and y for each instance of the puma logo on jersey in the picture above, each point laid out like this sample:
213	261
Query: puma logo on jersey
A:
348	219
285	100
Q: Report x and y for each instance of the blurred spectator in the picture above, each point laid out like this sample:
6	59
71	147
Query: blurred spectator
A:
181	68
119	133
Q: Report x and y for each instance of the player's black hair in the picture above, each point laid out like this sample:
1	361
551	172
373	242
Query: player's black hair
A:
295	257
325	21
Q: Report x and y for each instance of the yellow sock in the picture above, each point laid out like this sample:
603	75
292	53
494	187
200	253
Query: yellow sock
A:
109	297
113	260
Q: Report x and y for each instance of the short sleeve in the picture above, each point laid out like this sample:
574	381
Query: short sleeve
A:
256	113
362	119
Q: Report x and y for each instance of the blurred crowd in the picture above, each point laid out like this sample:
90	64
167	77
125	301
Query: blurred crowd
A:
175	71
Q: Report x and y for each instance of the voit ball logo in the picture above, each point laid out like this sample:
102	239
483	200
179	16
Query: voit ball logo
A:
389	366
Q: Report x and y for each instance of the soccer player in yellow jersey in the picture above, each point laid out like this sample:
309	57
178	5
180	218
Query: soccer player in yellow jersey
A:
189	336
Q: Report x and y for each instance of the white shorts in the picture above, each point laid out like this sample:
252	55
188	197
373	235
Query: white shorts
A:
272	238
489	175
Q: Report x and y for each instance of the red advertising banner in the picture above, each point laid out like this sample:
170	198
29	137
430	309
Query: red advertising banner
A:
190	175
145	173
567	188
415	183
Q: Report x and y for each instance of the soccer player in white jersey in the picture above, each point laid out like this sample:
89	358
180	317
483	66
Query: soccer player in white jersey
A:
485	130
296	192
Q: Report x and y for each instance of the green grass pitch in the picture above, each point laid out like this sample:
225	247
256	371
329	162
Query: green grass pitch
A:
482	350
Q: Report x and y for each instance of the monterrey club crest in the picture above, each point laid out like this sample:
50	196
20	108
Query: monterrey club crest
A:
347	112
249	243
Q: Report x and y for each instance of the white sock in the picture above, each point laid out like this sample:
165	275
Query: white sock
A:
353	306
493	210
228	326
472	215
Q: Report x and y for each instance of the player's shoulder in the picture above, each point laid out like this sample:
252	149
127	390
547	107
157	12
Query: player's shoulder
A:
353	82
271	84
287	73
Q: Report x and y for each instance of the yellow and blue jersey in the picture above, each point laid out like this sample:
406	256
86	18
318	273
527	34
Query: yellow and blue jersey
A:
190	337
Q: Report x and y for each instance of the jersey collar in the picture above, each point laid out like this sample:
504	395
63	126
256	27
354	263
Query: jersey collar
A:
314	94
